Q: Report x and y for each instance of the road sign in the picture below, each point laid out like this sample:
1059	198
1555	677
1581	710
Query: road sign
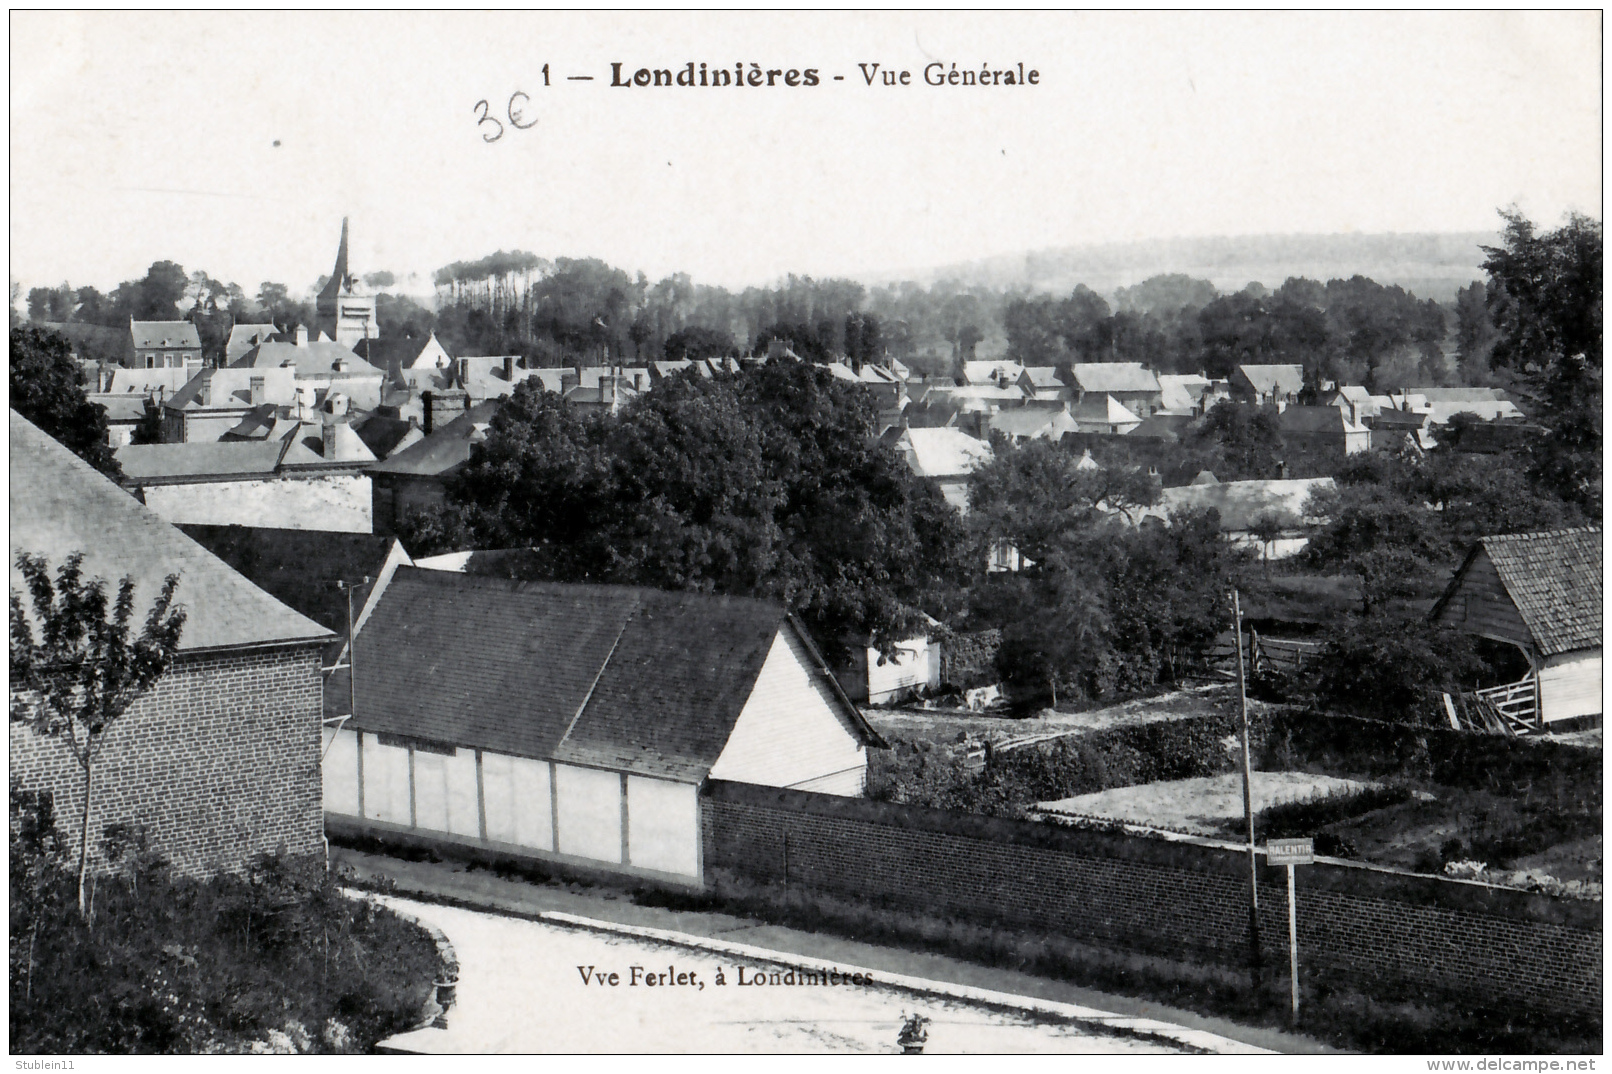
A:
1289	851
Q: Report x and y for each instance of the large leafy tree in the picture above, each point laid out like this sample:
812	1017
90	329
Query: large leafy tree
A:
767	483
1247	439
1545	301
46	389
83	670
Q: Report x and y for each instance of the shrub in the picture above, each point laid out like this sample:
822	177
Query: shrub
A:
170	963
1307	818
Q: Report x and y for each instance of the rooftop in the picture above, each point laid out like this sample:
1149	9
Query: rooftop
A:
59	505
158	334
1282	379
1113	377
1242	503
633	679
942	452
1554	579
446	449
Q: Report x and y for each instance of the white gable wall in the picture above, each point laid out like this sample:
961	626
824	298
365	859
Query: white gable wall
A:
791	732
1570	685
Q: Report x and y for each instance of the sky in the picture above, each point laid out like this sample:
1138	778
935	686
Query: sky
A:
237	142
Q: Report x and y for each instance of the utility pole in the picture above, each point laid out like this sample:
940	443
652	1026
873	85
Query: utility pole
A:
1248	800
352	677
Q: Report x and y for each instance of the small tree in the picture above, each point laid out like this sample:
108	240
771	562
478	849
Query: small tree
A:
84	671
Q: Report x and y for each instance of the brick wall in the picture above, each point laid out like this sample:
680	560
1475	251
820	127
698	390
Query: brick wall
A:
1394	935
220	760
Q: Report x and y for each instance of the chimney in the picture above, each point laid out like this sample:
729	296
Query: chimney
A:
330	441
339	365
509	368
442	407
256	396
569	379
428	399
1354	412
638	381
302	335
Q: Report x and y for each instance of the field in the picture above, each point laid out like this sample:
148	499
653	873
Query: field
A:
1206	805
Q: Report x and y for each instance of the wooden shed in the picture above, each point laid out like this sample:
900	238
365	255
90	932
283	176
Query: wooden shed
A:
1540	592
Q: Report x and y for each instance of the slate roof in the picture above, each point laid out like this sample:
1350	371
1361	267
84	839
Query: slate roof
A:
1283	379
1033	422
1104	410
1354	393
1044	376
154	462
1554	579
1162	426
161	334
146	381
233	388
983	373
445	450
403	350
59	505
1182	391
1113	377
314	358
300	568
1316	419
243	337
120	407
631	679
943	452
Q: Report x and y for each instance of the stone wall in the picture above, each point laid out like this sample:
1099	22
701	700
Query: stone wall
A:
323	502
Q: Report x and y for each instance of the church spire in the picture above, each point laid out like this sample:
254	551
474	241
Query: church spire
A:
338	275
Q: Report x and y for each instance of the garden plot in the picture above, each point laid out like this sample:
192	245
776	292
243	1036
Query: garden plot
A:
1203	806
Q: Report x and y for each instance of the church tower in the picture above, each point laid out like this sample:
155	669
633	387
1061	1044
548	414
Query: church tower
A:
343	311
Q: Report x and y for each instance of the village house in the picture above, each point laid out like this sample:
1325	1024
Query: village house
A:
576	724
219	761
1190	393
946	455
1356	400
1104	414
243	337
1393	430
1032	423
1485	404
1268	385
1323	430
407	352
163	345
998	374
1130	384
312	482
1042	384
124	413
1246	506
215	400
1541	594
414	478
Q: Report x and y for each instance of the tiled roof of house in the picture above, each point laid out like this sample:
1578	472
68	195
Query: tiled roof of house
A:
1113	377
403	350
1103	410
1033	422
154	462
243	337
159	334
145	381
1044	376
1554	579
233	388
1316	419
1181	391
300	568
1282	379
1162	426
632	679
446	449
120	407
314	358
59	505
991	372
943	452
